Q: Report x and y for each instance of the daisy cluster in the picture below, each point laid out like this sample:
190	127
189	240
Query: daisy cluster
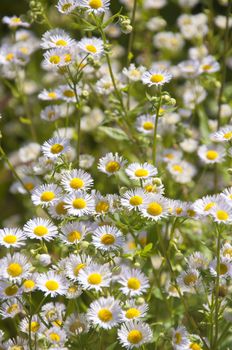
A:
121	237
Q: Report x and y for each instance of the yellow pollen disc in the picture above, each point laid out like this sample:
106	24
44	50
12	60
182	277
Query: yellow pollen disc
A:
78	268
47	196
141	172
74	236
35	326
95	4
14	270
131	245
54	59
190	279
105	315
209	206
133	283
228	135
191	212
95	278
169	156
52	285
54	337
72	289
29	284
136	200
179	211
102	207
29	186
132	313
66	7
148	188
9	56
91	48
61	42
222	215
12	308
230	196
10	239
148	125
177	168
107	239
206	67
11	290
56	148
16	20
76	183
223	269
67	58
16	347
195	346
52	94
212	155
79	203
157	78
112	166
154	209
178	338
68	93
134	336
60	209
228	251
40	231
24	50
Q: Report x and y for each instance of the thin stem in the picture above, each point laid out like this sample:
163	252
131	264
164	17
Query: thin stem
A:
217	306
155	129
132	34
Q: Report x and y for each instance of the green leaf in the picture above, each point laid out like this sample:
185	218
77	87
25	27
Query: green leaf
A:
25	120
114	133
112	346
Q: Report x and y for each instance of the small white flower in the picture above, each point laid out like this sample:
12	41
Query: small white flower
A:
10	308
223	134
48	95
156	77
73	232
156	207
51	283
180	338
107	238
76	324
111	163
95	277
211	154
50	113
95	6
37	327
12	237
30	283
133	311
55	147
225	267
188	280
79	203
58	210
226	250
56	38
74	264
197	261
133	73
209	65
134	199
134	334
56	336
76	180
40	228
137	171
182	171
105	312
68	94
222	212
15	267
133	282
66	6
205	205
14	22
145	124
92	46
46	195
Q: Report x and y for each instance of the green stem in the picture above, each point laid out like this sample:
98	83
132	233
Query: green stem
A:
155	129
217	306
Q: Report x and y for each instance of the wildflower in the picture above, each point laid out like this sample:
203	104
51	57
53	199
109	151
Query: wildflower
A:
205	205
209	65
222	212
56	38
107	238
12	237
36	326
211	154
39	228
73	232
223	134
134	199
188	280
79	203
74	264
10	308
137	171
95	6
92	46
58	210
145	124
55	147
134	334
56	336
52	283
14	21
111	163
50	113
95	276
157	78
225	267
76	324
66	6
133	282
181	171
46	195
76	180
15	267
133	73
134	311
155	208
180	338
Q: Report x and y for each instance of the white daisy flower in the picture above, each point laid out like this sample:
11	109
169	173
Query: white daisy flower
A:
73	291
180	338
15	267
58	210
37	327
46	195
51	283
156	77
39	228
133	282
133	311
58	58
189	68
76	179
188	280
76	324
107	238
14	22
55	147
56	336
95	277
79	203
153	185
12	237
95	6
209	65
138	171
227	194
134	334
222	212
56	38
103	204
105	312
92	46
11	308
145	124
211	154
197	261
172	155
48	95
178	208
225	267
73	232
68	94
133	73
50	113
53	312
226	250
66	6
134	199
204	205
30	283
74	264
223	134
181	171
29	183
155	207
9	290
111	163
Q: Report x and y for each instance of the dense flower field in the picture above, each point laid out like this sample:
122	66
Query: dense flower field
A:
116	146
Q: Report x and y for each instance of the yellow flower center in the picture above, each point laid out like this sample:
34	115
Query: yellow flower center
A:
177	168
228	135
179	211
91	48
195	346
78	268
157	78
141	172
169	156
79	203
154	209
72	289
191	212
132	313
9	56
54	337
55	59
206	67
95	4
136	200
61	42
133	283
12	308
35	326
11	290
16	20
95	278
47	196
56	148
212	155
228	251
209	206
74	236
60	208
40	231
222	215
105	315
223	269
148	188
66	7
112	166
131	245
68	93
16	347
52	94
29	284
52	285
10	239
148	125
102	207
190	279
107	239
29	186
178	338
14	269
76	183
67	58
134	336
